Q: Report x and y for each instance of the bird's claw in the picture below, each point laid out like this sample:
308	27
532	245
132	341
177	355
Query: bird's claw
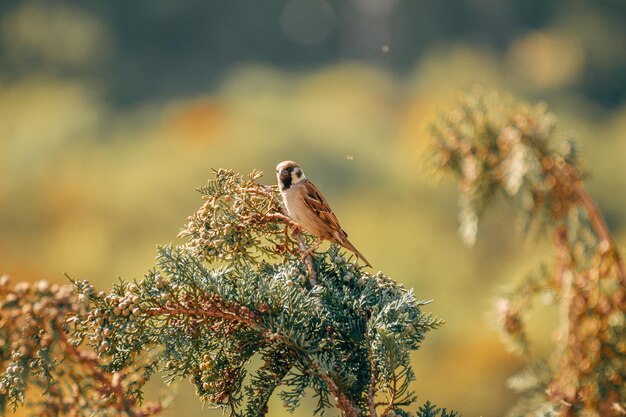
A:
296	229
309	252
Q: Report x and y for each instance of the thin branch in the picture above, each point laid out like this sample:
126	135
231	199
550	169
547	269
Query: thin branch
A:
370	399
308	259
111	385
601	228
262	191
563	261
280	217
371	388
564	276
394	391
208	310
341	400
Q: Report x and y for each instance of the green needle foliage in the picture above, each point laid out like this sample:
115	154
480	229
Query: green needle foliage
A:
497	147
235	310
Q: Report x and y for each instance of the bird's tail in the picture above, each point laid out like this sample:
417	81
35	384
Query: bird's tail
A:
346	244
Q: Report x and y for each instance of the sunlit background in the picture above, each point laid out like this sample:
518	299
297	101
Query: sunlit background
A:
111	113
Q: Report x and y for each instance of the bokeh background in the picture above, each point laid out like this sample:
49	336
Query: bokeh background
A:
112	112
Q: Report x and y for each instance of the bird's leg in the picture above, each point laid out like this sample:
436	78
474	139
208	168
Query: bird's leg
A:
309	251
307	257
296	233
296	229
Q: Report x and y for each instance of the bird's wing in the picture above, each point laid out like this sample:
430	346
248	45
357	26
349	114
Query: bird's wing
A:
314	199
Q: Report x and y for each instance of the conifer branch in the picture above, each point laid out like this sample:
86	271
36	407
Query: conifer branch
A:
218	308
494	146
236	289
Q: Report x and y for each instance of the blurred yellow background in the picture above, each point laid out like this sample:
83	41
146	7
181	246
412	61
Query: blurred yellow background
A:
111	115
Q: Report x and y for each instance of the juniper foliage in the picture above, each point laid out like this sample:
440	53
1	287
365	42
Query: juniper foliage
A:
494	146
234	311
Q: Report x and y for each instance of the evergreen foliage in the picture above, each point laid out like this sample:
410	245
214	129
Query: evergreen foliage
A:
497	147
235	310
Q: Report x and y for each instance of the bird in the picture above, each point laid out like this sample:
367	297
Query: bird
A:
308	208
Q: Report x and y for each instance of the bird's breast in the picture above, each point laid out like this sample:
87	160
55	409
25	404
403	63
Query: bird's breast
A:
293	204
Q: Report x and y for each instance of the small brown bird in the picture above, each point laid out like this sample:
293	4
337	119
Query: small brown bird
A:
308	207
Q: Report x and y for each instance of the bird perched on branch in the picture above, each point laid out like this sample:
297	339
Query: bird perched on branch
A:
308	208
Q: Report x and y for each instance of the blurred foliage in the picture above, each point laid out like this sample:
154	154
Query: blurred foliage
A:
494	146
159	48
45	367
99	152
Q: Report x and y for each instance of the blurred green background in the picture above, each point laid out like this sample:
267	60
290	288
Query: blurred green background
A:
112	112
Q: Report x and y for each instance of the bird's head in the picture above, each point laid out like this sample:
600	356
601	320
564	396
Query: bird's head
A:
288	173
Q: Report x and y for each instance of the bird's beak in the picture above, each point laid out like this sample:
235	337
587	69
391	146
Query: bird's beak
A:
284	174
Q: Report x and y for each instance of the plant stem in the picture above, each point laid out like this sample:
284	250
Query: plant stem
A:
601	228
